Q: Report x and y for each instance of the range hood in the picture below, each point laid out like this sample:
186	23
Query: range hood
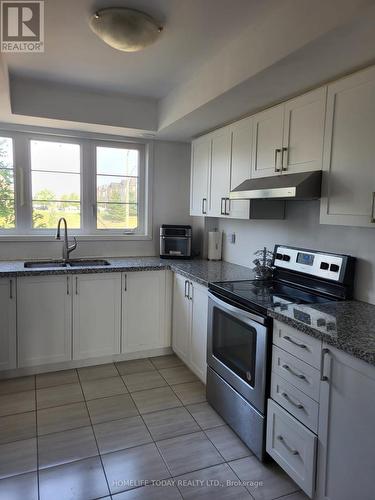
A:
302	186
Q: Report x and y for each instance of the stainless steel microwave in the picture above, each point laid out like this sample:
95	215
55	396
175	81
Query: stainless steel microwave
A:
175	242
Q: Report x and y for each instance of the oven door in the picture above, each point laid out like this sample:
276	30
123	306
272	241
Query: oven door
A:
175	246
237	349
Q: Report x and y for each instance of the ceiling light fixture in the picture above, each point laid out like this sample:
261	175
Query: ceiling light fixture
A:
125	29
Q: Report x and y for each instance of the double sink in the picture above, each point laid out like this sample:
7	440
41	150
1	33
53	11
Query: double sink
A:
51	264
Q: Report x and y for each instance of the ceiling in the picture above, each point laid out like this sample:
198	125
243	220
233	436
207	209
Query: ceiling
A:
216	60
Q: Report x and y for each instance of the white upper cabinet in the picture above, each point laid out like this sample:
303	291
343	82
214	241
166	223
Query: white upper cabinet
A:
44	315
348	162
220	173
7	324
144	311
200	168
267	142
96	315
303	132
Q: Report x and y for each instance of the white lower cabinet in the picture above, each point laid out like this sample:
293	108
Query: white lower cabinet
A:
44	316
8	359
346	451
96	315
189	331
145	311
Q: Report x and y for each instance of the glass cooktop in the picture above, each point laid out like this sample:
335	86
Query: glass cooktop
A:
266	293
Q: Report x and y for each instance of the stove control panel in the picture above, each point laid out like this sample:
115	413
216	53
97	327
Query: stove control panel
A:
318	264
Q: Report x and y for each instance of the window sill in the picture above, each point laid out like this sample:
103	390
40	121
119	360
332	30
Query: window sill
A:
82	237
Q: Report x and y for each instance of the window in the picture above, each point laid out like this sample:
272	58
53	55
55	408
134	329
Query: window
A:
56	184
117	180
98	185
7	202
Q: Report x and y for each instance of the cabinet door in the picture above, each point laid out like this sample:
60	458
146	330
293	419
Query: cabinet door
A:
44	313
303	132
267	142
242	142
181	317
143	311
200	166
7	324
220	173
348	161
96	315
198	339
346	453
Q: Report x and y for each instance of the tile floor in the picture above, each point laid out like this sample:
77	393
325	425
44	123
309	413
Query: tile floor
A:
137	429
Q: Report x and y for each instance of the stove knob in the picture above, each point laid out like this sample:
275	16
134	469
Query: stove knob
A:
324	265
334	268
279	256
286	257
321	322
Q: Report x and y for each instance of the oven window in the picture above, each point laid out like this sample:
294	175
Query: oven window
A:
234	344
174	246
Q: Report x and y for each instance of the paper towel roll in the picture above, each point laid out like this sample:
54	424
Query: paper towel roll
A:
214	245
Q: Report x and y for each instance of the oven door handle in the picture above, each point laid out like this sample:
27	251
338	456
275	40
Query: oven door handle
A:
236	310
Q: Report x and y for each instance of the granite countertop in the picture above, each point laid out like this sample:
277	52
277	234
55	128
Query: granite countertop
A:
348	325
201	271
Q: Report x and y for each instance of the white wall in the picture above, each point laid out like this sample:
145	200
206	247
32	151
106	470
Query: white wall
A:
170	194
301	228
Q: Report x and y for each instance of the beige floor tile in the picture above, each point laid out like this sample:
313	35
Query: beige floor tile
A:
228	443
104	387
67	446
178	375
191	392
135	366
170	423
20	402
19	384
17	427
56	378
81	480
155	399
98	371
22	487
188	453
62	418
271	481
120	434
18	457
142	381
112	408
127	468
167	361
205	415
59	395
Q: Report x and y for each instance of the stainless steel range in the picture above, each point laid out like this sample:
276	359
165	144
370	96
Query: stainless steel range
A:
240	333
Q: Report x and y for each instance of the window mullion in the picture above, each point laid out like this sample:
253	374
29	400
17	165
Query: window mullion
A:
22	183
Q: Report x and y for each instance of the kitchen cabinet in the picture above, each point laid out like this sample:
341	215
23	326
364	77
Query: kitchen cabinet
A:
96	315
189	334
145	311
348	160
288	138
44	316
200	169
220	173
346	447
7	324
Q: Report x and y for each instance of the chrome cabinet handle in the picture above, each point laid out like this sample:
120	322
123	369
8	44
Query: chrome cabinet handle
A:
373	208
222	211
323	377
302	346
204	207
297	405
67	285
283	155
11	289
190	295
277	151
289	448
186	289
76	285
227	210
299	375
125	282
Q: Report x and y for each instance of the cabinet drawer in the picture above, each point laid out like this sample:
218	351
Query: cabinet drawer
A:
292	446
302	407
297	343
297	372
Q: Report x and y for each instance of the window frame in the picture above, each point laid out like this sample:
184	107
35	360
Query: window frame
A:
15	182
23	187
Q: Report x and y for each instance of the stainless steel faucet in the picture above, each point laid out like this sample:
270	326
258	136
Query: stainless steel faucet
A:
66	248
